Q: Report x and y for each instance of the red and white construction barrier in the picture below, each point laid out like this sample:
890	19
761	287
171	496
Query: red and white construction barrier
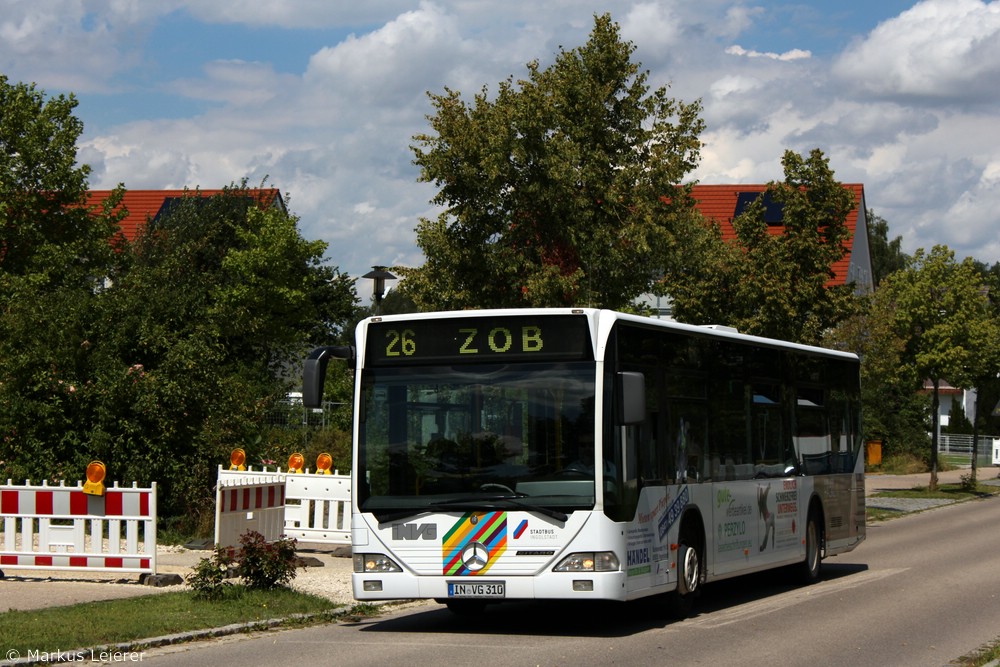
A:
62	528
318	508
249	501
311	507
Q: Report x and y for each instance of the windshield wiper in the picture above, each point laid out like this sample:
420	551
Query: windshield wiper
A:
400	514
492	502
495	501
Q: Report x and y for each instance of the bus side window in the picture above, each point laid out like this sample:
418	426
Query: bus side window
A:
687	441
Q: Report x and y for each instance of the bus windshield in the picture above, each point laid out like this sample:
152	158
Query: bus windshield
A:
465	437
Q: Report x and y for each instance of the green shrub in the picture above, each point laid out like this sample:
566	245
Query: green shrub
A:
209	578
262	565
903	464
265	565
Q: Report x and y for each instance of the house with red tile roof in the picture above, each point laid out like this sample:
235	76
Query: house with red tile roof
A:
146	206
722	203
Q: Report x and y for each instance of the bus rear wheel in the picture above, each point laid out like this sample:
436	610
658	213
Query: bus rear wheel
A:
810	567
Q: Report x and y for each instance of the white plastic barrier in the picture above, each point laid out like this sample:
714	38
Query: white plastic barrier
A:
318	508
996	451
62	528
310	507
248	501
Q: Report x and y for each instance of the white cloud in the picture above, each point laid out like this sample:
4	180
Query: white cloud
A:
793	54
236	82
393	64
940	49
740	18
655	25
66	44
296	13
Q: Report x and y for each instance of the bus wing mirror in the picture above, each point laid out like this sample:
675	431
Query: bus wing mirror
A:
314	372
631	398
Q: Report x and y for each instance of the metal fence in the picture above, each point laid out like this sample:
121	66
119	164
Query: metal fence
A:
292	414
961	444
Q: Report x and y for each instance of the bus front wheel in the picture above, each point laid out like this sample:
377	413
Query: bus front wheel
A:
688	570
681	601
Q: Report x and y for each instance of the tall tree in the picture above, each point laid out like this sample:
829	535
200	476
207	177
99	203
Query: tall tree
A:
893	409
943	312
887	256
45	230
208	308
561	190
775	284
53	255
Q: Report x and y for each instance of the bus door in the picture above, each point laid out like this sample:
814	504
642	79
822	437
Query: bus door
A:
756	510
644	464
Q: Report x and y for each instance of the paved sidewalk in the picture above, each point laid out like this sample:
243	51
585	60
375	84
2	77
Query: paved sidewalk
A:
37	589
876	482
329	576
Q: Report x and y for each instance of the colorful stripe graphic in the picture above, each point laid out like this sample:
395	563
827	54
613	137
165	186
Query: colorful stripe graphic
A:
521	527
489	529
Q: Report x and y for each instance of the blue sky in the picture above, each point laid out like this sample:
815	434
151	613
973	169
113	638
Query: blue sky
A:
322	97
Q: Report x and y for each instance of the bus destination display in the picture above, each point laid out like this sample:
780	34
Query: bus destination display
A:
479	339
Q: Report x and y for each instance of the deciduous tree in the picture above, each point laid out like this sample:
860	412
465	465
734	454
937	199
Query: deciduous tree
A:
561	189
54	254
894	410
771	284
211	305
943	312
887	256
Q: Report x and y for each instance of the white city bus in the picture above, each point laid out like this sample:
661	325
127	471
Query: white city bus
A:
588	454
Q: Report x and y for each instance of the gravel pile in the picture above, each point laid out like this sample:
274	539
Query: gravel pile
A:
331	581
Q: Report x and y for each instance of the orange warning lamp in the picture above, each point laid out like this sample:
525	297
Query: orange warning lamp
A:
296	462
94	486
323	464
237	459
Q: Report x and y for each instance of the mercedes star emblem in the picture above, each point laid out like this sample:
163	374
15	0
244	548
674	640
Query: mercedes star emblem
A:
475	556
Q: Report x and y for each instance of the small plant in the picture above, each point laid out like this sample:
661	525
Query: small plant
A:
209	578
262	565
969	483
265	565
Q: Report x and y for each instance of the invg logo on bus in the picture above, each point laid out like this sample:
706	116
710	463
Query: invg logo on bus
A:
415	531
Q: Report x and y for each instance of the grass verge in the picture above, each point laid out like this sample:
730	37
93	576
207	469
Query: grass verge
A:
955	492
983	656
945	491
111	622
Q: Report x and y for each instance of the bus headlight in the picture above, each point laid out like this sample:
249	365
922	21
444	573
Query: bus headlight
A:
375	563
589	561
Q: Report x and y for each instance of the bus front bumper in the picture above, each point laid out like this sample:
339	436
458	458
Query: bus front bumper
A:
551	586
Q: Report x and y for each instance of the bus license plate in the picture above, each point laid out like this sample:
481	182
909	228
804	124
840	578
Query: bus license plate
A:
481	589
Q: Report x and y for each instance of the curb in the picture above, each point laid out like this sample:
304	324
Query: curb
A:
906	505
140	645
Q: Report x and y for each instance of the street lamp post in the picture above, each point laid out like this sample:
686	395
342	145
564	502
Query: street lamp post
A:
379	275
